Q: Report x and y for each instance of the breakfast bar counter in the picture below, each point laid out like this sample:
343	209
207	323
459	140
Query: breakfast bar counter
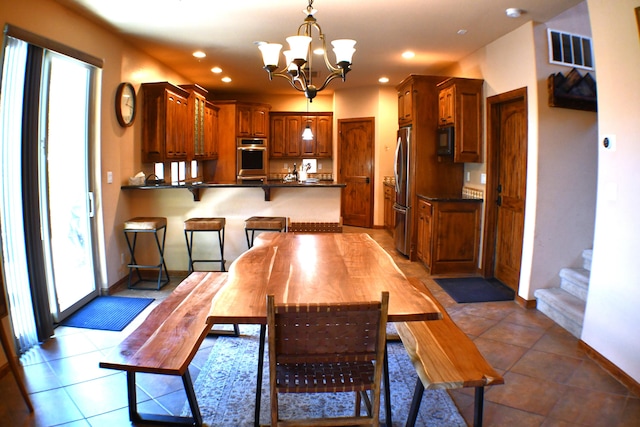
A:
266	186
235	201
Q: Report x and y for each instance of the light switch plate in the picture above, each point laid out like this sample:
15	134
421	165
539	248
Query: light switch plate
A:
109	177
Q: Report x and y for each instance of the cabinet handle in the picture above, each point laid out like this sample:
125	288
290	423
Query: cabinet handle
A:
499	201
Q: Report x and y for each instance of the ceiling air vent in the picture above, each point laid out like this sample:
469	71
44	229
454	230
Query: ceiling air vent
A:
570	49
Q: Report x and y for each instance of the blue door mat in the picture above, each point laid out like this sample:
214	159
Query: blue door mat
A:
107	313
476	289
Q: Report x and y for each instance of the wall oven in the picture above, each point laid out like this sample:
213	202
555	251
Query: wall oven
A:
252	158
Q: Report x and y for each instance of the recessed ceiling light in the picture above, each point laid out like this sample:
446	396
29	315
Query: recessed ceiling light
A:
383	79
462	31
514	12
226	79
408	54
216	70
199	54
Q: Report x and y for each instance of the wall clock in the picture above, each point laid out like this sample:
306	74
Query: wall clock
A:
125	104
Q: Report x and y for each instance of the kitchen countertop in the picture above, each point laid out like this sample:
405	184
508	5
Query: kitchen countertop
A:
195	187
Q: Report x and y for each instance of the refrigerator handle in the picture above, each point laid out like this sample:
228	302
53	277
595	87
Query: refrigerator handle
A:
395	165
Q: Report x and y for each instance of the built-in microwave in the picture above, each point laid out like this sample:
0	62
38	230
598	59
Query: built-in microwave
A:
445	141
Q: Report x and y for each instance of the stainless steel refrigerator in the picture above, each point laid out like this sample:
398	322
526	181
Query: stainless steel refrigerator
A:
402	205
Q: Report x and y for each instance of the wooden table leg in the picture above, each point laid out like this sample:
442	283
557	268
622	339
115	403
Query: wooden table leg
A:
13	365
263	332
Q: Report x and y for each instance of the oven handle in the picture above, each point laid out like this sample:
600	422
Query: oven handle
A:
252	148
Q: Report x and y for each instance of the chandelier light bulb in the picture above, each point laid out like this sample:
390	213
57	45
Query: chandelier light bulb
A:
299	46
344	50
270	53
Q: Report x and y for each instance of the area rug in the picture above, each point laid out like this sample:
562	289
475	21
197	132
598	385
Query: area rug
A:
476	289
107	313
225	389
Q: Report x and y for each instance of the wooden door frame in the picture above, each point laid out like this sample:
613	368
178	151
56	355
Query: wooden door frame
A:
371	120
491	210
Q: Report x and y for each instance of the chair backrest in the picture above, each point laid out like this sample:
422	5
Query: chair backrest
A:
329	332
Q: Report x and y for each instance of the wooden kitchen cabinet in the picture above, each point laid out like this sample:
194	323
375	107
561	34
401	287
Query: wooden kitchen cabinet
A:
236	119
389	213
165	123
424	232
252	120
449	235
405	103
210	132
203	121
460	106
286	135
445	106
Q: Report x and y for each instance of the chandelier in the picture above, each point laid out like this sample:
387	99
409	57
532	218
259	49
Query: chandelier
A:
298	58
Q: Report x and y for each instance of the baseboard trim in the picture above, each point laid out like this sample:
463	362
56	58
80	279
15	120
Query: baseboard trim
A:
606	364
529	304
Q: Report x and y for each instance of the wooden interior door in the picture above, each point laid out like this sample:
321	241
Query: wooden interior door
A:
506	186
355	160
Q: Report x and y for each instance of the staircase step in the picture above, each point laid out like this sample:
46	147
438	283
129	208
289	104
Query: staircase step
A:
587	254
562	307
575	281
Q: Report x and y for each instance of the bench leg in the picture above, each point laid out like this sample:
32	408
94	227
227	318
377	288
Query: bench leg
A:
136	417
478	407
415	404
227	333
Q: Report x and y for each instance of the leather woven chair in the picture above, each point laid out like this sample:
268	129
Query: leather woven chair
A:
327	348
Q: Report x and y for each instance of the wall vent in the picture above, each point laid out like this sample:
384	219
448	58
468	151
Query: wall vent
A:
570	49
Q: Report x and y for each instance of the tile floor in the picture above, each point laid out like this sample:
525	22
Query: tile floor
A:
549	380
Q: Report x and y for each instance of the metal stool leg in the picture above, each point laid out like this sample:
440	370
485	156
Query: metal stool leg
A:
221	243
161	252
188	237
133	262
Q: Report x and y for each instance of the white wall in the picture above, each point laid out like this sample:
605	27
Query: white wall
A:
612	316
567	166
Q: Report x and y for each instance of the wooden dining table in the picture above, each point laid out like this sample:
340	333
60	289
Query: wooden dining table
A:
315	268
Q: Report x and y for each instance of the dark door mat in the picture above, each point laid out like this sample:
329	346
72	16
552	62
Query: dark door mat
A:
476	289
107	313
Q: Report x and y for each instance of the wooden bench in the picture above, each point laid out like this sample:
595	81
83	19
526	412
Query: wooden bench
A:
166	342
444	358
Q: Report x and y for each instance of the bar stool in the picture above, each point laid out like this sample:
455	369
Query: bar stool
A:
193	225
146	225
263	223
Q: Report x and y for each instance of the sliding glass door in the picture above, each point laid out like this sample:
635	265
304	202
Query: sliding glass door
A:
66	200
46	204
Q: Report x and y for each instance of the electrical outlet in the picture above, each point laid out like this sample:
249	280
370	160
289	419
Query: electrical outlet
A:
109	177
468	176
319	166
483	178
